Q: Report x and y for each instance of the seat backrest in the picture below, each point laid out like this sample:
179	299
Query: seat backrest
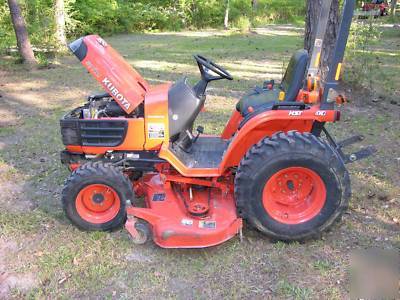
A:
294	76
183	107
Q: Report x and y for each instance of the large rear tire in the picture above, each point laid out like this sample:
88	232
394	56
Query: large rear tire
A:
292	186
95	196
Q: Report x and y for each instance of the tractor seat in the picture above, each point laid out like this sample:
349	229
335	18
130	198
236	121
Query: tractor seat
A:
291	84
183	107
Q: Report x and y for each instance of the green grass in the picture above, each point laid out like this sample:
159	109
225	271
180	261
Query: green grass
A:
5	131
69	263
289	290
322	265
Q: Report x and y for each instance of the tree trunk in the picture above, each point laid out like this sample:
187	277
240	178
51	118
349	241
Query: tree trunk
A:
393	8
226	19
60	25
312	18
24	46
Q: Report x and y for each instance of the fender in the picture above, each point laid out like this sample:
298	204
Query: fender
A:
266	124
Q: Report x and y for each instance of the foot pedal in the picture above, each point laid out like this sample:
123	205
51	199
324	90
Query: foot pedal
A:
363	153
350	141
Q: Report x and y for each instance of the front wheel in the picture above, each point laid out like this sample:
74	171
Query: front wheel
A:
292	186
95	196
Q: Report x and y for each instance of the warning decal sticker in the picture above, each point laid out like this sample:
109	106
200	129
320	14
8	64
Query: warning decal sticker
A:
156	130
208	224
187	222
318	43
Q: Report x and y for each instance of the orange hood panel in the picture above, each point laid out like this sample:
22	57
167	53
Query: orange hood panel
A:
112	71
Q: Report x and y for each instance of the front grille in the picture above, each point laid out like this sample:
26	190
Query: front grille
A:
97	133
70	132
102	133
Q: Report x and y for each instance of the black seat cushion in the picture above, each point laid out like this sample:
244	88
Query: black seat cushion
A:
255	98
291	84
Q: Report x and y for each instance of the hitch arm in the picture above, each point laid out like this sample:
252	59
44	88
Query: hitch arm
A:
352	157
363	153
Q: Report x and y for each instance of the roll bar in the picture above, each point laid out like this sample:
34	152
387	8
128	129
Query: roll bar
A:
314	66
332	78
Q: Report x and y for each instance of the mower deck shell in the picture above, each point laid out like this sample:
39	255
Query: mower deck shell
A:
174	227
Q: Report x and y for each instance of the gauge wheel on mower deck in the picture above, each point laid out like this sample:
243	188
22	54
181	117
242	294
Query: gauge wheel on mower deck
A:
95	195
292	186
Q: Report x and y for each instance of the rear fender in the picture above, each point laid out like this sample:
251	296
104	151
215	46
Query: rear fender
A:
266	124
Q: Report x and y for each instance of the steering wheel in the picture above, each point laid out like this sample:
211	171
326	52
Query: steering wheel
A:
206	65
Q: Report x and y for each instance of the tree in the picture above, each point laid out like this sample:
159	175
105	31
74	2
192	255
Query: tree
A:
312	18
23	43
226	19
60	25
393	8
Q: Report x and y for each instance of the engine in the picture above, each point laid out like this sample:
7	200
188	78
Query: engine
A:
104	106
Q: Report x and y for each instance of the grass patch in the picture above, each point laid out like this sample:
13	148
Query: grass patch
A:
289	290
12	224
6	131
322	265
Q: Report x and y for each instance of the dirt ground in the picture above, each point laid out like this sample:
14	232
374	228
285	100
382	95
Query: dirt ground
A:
43	256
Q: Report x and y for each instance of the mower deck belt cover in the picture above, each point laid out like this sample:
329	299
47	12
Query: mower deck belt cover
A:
110	69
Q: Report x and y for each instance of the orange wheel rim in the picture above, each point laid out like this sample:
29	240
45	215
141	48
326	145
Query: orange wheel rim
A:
97	203
294	195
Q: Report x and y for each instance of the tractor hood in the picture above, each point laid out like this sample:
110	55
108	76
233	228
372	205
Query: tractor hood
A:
116	75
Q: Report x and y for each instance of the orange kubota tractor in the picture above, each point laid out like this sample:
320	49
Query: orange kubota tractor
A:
380	6
274	165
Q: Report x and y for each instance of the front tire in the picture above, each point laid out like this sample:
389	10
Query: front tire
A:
95	195
292	186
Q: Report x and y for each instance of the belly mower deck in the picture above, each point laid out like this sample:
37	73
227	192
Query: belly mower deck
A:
184	217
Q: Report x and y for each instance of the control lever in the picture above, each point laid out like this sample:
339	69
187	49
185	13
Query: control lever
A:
186	144
200	130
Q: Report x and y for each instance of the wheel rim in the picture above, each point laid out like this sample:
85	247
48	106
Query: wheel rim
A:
97	203
294	195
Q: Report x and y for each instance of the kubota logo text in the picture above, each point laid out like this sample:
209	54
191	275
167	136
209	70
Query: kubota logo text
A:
115	93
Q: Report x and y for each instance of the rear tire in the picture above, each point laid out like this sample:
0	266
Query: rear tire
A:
292	186
95	196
